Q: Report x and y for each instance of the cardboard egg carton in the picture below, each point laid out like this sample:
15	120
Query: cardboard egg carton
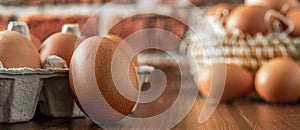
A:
56	99
23	89
20	91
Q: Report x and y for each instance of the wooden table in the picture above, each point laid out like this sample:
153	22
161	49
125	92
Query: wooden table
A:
244	113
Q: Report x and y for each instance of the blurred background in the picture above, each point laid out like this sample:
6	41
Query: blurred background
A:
45	17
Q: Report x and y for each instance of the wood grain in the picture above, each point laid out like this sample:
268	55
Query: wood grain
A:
241	114
260	115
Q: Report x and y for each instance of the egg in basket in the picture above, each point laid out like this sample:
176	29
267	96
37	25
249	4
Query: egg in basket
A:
250	36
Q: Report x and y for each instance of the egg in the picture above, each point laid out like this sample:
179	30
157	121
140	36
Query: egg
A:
249	20
279	5
219	10
95	87
118	40
59	44
293	16
278	81
17	51
36	41
238	83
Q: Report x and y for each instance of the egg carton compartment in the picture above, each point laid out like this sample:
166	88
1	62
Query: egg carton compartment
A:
143	76
56	99
19	92
23	89
143	73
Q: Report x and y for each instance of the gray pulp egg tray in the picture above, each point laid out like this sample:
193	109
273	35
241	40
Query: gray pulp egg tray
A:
22	90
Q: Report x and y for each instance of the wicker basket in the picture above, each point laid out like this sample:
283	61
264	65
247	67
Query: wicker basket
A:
249	52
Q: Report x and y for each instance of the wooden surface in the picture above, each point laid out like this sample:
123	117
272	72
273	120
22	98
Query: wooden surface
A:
244	113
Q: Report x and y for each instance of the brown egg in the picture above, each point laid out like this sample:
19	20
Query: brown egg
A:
219	10
36	41
293	16
16	51
249	19
278	81
95	87
118	40
238	83
59	44
279	5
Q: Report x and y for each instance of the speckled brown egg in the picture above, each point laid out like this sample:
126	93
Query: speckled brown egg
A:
127	48
278	81
16	51
93	84
238	81
59	44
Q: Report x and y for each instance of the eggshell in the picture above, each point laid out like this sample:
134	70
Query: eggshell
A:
249	19
278	81
118	40
16	51
239	82
93	84
59	44
294	17
273	4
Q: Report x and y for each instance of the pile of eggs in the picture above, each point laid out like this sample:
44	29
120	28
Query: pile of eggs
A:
258	16
277	81
93	57
18	51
